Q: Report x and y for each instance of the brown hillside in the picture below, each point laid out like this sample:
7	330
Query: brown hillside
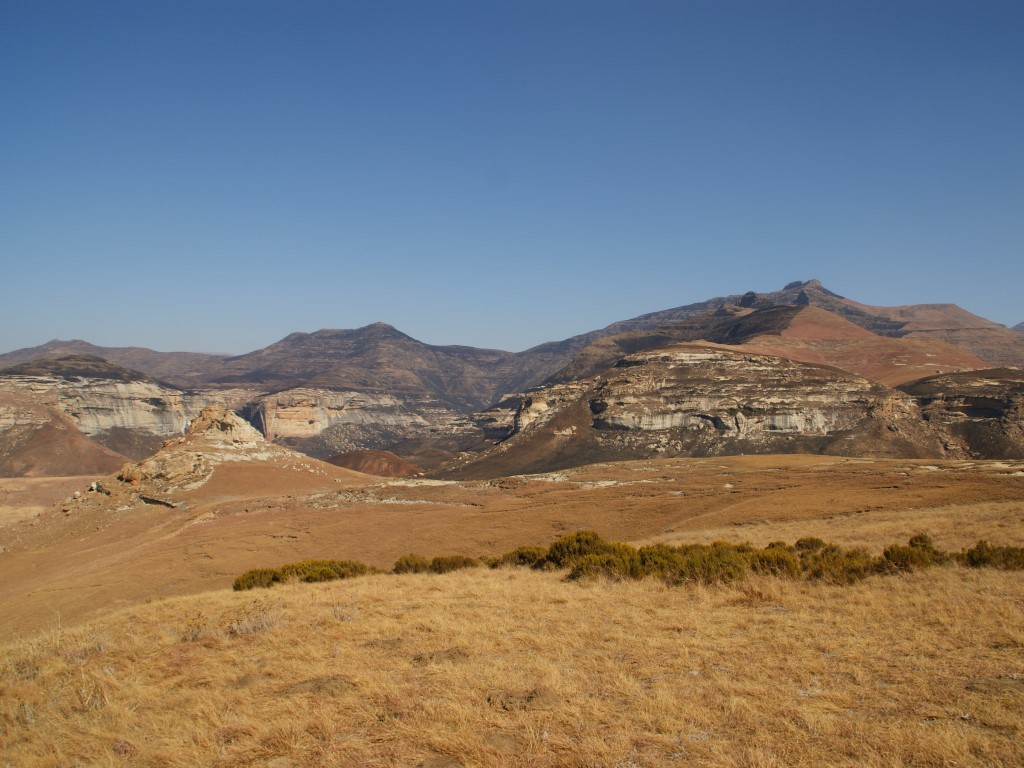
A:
49	444
804	333
379	463
814	335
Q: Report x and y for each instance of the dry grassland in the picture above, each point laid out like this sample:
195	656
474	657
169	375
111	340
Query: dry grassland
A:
512	667
77	567
22	498
520	668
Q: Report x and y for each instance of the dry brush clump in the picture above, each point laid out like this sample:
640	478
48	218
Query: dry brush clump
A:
586	555
308	571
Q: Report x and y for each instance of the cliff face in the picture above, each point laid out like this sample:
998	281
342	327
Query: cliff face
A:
979	413
700	400
118	408
323	422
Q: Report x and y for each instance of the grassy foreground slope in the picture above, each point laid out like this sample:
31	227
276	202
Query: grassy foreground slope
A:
513	667
75	567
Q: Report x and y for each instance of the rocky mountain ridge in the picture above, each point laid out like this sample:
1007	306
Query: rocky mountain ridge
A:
335	391
699	399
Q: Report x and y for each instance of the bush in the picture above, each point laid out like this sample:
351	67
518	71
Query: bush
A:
984	555
571	547
660	560
920	552
810	545
322	570
411	564
258	577
521	556
775	561
720	562
836	566
619	561
448	563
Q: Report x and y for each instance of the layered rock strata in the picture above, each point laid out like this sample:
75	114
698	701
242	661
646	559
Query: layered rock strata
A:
700	400
979	413
121	409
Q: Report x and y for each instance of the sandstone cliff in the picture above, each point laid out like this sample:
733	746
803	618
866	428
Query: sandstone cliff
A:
121	409
979	413
699	400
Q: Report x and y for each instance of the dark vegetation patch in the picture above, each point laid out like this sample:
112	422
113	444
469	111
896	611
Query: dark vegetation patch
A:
304	570
584	554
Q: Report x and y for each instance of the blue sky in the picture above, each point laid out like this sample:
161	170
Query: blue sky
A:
212	175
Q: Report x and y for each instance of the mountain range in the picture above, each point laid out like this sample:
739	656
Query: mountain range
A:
336	391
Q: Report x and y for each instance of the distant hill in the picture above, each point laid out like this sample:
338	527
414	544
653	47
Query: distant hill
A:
1019	327
73	368
181	369
377	358
799	332
983	339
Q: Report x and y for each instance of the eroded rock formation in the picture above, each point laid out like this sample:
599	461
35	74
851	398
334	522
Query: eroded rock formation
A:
700	400
979	413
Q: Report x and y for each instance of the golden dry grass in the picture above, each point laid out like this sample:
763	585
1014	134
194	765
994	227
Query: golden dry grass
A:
519	668
77	567
513	667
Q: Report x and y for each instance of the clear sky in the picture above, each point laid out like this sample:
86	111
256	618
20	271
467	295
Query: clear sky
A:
213	175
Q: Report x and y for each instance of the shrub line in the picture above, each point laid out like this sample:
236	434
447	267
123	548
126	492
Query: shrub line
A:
586	555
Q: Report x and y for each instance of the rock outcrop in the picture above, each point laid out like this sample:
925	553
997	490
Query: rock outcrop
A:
218	443
122	409
979	413
377	388
699	400
187	462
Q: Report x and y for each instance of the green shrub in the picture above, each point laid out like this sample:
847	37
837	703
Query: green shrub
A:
720	562
448	563
660	560
620	564
775	561
258	577
571	547
521	556
810	545
920	552
836	566
984	555
322	570
411	564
